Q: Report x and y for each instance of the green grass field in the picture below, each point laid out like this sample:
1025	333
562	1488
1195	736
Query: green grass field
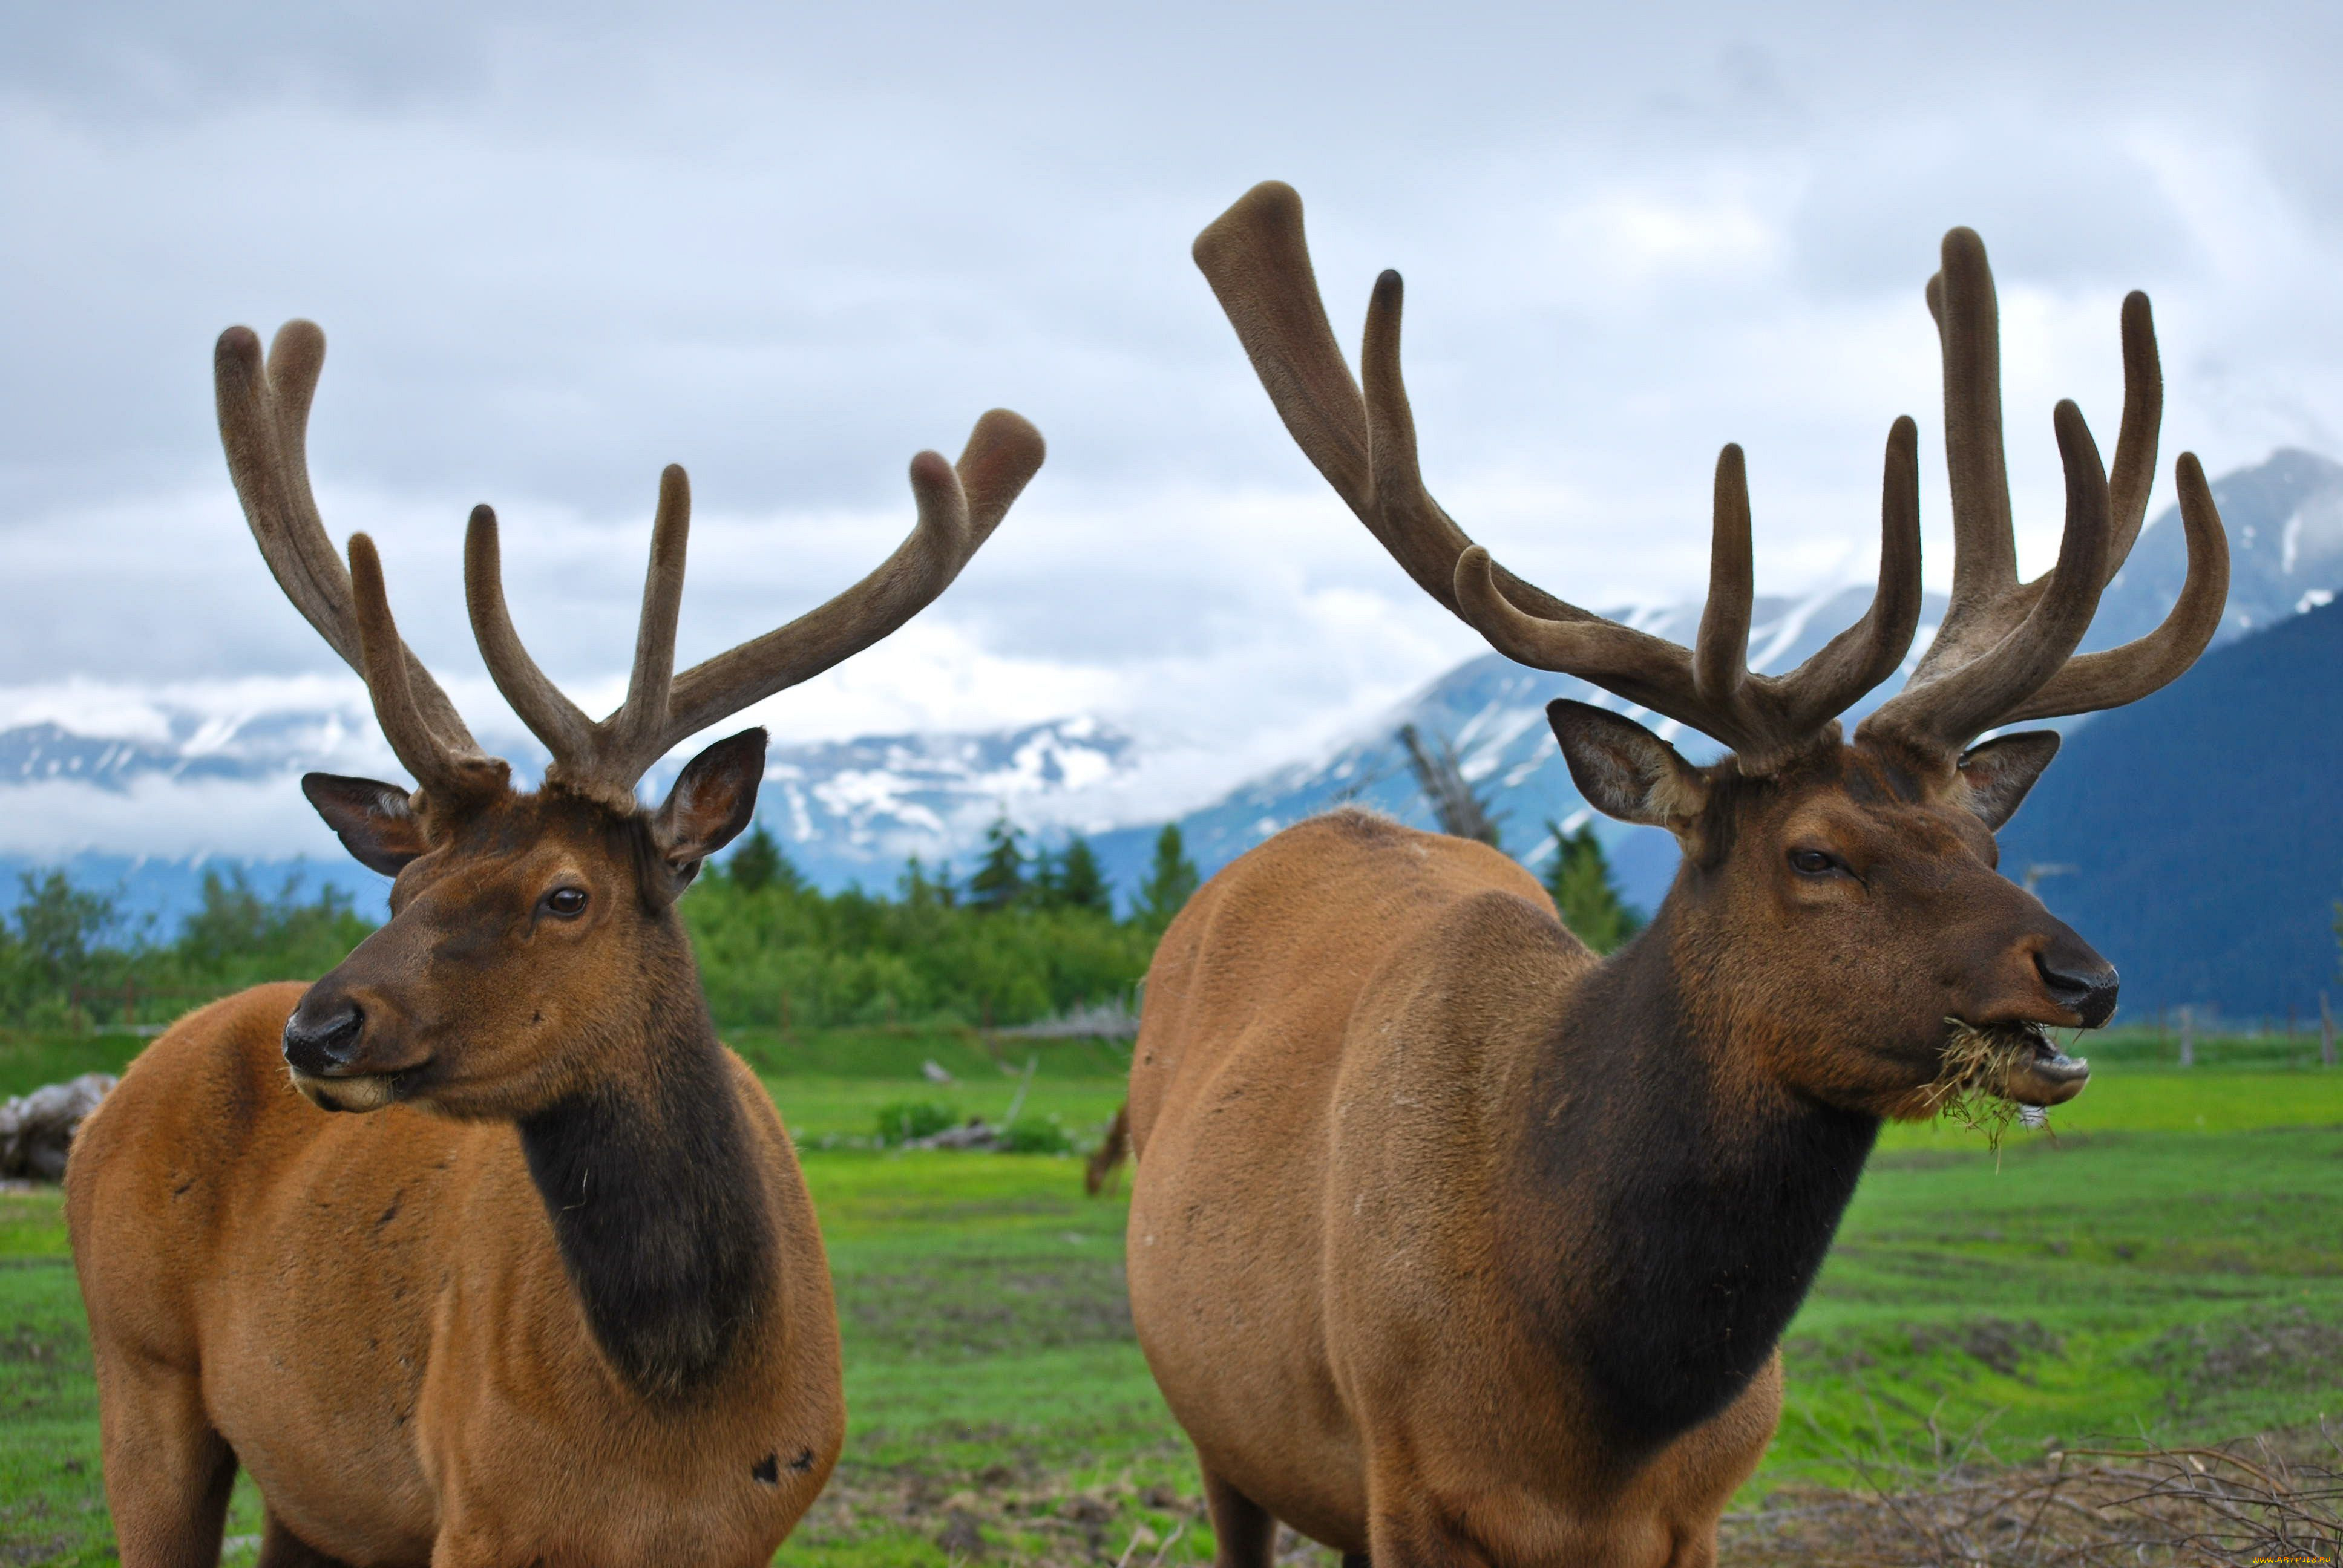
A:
2170	1265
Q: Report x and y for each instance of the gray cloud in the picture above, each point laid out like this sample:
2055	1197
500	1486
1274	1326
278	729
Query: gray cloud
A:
555	247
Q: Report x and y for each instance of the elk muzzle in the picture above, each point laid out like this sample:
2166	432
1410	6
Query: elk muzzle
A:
2071	985
2043	977
2077	978
324	1044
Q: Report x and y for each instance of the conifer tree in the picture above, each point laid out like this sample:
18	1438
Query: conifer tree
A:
1044	885
999	879
913	888
1170	880
1580	882
759	864
1080	884
58	925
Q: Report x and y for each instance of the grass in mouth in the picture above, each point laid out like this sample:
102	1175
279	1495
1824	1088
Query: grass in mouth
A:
1978	1061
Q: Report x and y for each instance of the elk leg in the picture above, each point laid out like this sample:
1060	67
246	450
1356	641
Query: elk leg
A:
167	1472
1243	1531
1355	1559
280	1548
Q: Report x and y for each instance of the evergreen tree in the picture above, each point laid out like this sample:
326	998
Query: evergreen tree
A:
999	879
913	889
1045	886
58	925
236	926
1080	884
1170	880
1583	890
759	864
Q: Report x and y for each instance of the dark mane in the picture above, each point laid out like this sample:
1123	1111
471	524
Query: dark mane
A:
1694	1223
656	1201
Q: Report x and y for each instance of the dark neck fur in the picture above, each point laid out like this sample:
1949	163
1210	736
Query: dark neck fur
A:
658	1202
1674	1216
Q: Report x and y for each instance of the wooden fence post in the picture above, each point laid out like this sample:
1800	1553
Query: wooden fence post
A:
2187	1037
2325	1032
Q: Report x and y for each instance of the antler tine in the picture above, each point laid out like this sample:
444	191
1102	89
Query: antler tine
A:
1766	719
551	716
264	417
1399	512
1968	329
641	722
1941	708
1647	670
1868	652
1003	455
2133	474
2092	681
2006	651
439	767
1257	259
1720	658
959	507
1256	256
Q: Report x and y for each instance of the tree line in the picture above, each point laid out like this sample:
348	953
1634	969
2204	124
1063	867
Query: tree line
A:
1030	931
68	956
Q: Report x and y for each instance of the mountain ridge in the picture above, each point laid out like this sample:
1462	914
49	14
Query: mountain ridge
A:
854	810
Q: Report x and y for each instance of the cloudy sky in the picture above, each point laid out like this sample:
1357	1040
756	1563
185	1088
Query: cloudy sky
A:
555	247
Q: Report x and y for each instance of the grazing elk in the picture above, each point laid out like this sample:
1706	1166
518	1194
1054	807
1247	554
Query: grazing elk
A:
1449	1242
560	1299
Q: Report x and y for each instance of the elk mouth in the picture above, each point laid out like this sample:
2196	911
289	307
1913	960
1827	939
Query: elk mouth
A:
2014	1061
358	1092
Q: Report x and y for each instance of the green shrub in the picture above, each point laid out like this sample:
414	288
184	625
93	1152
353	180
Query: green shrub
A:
906	1120
774	951
784	954
1036	1135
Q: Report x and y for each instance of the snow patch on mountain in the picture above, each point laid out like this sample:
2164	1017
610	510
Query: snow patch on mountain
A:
150	786
2285	522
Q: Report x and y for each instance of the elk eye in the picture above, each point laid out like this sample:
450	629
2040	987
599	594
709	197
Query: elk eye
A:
1811	862
566	902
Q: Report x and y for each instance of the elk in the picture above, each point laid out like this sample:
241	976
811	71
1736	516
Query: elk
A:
557	1296
1451	1243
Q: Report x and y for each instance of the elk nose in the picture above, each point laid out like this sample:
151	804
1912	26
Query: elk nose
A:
2079	980
322	1044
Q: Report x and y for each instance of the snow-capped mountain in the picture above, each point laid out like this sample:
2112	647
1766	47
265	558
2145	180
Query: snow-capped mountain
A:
196	749
845	812
2285	522
855	810
148	806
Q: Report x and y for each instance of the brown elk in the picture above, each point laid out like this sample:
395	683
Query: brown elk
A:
560	1299
1451	1243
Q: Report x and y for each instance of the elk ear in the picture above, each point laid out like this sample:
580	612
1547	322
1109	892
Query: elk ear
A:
1999	772
714	798
375	821
1625	770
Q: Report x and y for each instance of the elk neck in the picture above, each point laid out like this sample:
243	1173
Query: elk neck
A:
1673	1203
651	1178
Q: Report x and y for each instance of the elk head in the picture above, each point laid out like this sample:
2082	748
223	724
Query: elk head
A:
1838	901
531	932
